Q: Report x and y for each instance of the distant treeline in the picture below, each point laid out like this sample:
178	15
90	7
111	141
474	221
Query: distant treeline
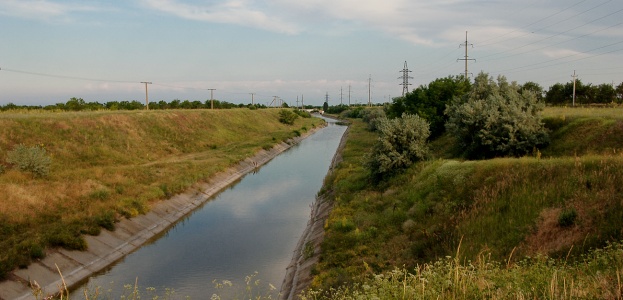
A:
78	104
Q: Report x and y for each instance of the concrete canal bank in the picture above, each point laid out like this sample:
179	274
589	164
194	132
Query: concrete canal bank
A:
130	234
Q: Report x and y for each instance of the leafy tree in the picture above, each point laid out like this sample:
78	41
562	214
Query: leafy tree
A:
619	93
75	104
325	106
494	119
401	142
372	117
287	116
429	101
605	93
534	88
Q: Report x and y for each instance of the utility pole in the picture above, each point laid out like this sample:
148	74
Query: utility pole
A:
405	79
302	105
341	94
574	77
211	98
349	95
370	90
146	94
326	98
466	58
252	98
297	101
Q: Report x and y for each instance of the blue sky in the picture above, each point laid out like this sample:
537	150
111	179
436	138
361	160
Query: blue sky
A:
52	50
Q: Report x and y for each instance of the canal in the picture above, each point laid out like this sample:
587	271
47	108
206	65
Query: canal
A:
251	227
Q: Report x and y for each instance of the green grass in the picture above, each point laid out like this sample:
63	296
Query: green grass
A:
112	164
506	209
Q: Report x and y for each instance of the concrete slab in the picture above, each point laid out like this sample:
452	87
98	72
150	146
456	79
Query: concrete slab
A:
13	289
39	273
65	264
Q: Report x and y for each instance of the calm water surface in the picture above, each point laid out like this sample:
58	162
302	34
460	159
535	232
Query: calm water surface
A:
251	227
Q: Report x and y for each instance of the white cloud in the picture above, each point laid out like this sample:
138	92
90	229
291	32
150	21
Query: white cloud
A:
40	9
229	12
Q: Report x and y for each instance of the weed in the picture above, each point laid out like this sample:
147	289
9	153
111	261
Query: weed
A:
30	159
308	250
567	217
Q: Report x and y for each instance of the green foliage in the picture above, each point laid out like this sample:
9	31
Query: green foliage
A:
355	112
567	217
302	113
596	276
30	159
325	106
372	117
494	120
429	101
287	116
402	142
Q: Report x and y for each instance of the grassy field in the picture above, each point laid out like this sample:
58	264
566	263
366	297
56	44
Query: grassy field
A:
107	165
559	202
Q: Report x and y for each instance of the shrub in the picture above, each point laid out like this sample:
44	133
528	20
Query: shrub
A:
302	113
372	117
1	169
567	217
494	119
287	116
402	142
31	159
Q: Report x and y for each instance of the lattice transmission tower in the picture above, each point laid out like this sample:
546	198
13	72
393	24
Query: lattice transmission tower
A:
405	79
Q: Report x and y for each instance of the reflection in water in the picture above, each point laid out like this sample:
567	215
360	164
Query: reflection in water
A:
251	227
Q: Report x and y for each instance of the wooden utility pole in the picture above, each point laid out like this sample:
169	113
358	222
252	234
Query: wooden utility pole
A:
146	94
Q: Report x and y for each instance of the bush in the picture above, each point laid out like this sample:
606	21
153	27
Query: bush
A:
494	120
302	113
567	217
30	159
287	116
402	142
372	117
1	169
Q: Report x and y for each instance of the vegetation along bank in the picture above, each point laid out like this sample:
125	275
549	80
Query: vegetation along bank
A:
512	200
67	175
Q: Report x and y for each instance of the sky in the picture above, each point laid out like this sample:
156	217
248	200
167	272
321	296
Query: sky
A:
251	50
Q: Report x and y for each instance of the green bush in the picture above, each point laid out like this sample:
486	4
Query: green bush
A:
372	117
30	159
402	142
567	217
302	113
287	116
495	120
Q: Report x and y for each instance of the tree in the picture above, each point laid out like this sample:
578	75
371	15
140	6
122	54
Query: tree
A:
494	119
429	101
401	142
533	87
619	93
325	106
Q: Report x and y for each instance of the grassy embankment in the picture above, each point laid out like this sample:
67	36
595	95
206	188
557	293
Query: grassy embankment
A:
107	165
479	228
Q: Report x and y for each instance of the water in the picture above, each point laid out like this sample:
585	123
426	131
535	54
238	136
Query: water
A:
251	227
